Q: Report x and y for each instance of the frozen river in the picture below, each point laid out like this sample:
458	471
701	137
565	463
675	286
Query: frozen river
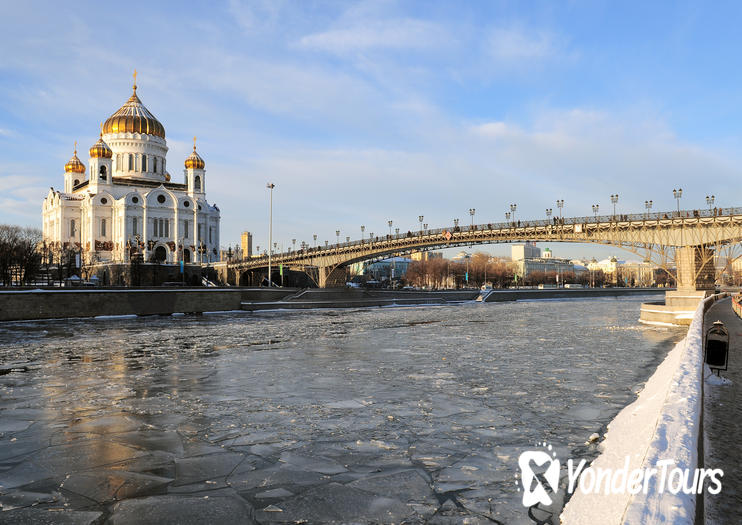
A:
365	416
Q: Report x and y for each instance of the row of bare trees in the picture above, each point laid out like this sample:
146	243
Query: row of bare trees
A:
20	260
483	268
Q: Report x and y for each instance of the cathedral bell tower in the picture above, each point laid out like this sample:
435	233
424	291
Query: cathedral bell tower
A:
195	174
74	172
101	165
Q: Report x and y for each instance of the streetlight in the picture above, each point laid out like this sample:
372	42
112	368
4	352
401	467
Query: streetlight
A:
420	220
472	211
648	206
507	216
347	238
363	229
337	234
326	244
548	214
614	200
513	207
425	227
293	241
710	201
390	222
270	186
314	236
678	194
596	207
456	223
560	205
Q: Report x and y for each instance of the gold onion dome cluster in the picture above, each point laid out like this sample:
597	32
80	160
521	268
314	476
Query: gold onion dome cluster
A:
133	117
74	165
100	149
194	160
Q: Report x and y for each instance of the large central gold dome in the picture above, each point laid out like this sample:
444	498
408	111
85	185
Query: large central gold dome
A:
134	117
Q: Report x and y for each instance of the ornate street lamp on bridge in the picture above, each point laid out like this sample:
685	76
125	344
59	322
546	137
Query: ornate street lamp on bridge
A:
314	236
507	216
710	201
548	214
513	207
678	194
648	206
596	208
560	205
614	200
363	229
420	220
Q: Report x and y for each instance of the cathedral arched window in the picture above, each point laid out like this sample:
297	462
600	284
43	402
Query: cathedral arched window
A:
102	171
154	164
75	183
131	162
197	183
144	163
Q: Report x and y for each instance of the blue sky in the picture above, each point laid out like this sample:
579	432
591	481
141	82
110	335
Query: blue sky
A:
367	111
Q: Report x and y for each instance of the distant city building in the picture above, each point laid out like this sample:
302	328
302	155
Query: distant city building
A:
528	259
382	270
426	256
246	245
528	250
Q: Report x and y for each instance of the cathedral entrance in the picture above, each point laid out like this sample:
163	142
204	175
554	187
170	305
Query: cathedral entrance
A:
160	254
186	256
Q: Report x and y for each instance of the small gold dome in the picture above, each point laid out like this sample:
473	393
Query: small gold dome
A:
167	177
100	149
74	165
194	160
133	117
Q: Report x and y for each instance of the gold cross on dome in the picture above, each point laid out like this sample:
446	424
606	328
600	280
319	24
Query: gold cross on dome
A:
75	147
194	143
135	80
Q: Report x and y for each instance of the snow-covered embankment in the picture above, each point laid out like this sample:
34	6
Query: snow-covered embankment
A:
662	424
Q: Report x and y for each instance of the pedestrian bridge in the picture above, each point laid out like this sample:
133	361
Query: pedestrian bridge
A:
685	239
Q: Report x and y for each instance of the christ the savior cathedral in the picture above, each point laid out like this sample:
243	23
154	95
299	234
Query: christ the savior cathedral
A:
124	202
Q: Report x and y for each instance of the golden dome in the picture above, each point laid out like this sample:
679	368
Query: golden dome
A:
100	149
167	177
74	165
194	160
133	117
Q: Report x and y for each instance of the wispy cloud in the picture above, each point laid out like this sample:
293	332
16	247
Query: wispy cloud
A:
401	33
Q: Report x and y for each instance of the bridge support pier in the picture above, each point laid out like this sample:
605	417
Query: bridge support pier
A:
332	276
695	281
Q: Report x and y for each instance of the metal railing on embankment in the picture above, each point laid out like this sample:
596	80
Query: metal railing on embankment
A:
737	304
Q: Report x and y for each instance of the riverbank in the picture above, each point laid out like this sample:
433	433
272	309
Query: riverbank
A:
20	305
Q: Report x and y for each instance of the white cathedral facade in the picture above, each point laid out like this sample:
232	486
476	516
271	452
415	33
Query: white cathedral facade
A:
124	203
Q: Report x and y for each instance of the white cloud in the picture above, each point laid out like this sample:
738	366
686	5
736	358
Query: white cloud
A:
401	33
518	47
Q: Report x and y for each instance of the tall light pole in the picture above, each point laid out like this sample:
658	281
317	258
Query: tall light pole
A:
270	186
363	229
678	194
648	206
507	216
560	205
293	241
614	201
389	223
548	214
420	220
596	207
314	236
337	244
472	211
455	223
513	207
425	227
710	201
391	275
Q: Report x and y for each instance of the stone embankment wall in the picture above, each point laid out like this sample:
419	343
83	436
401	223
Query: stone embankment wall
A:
52	304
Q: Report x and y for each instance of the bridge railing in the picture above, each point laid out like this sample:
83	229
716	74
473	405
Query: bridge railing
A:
538	223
